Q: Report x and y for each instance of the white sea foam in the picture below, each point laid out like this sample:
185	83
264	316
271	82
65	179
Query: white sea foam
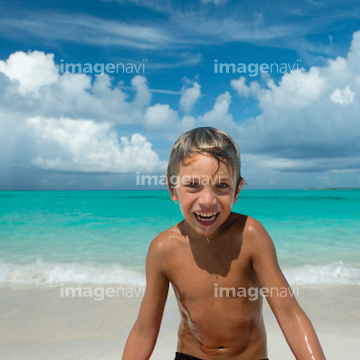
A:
47	273
330	274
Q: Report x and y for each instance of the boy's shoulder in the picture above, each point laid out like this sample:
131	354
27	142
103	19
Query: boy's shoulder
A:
167	240
251	229
248	223
253	225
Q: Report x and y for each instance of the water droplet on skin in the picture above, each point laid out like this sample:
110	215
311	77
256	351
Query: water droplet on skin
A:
207	239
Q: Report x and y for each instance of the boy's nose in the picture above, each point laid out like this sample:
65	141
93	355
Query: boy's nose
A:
207	197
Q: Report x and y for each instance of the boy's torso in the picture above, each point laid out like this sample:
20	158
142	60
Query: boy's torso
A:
217	293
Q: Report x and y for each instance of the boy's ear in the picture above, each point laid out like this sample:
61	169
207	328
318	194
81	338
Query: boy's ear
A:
236	196
172	191
173	194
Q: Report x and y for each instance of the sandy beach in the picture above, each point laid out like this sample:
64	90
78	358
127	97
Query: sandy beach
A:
39	323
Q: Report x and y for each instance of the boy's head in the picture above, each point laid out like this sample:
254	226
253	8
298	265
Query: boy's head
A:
204	176
205	141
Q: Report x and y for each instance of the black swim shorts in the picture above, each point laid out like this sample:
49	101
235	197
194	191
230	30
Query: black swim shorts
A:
181	356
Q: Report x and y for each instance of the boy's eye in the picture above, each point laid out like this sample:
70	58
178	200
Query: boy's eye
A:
222	185
192	185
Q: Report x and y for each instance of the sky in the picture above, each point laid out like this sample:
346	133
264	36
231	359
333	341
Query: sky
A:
94	93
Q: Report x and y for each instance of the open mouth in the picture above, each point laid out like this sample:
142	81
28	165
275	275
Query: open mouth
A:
206	217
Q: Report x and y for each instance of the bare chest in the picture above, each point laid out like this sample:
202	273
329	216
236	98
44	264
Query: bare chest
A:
199	275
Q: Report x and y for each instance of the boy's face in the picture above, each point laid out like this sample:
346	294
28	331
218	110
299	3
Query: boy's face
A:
205	194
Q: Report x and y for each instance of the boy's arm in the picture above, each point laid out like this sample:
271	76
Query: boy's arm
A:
296	326
143	336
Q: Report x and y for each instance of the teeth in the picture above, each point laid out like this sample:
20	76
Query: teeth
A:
206	217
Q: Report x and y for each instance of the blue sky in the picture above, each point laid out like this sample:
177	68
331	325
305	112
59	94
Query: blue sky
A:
141	72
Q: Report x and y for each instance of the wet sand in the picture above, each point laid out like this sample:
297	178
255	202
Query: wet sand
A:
38	323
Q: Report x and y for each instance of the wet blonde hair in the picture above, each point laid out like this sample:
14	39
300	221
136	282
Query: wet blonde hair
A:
206	141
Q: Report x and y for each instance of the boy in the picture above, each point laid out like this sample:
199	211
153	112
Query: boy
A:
214	249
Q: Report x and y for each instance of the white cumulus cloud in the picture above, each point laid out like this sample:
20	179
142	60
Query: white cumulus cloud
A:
160	117
37	87
32	70
219	115
190	96
84	145
343	97
309	119
241	88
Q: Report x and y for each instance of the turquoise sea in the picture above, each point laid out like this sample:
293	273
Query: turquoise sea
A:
59	237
